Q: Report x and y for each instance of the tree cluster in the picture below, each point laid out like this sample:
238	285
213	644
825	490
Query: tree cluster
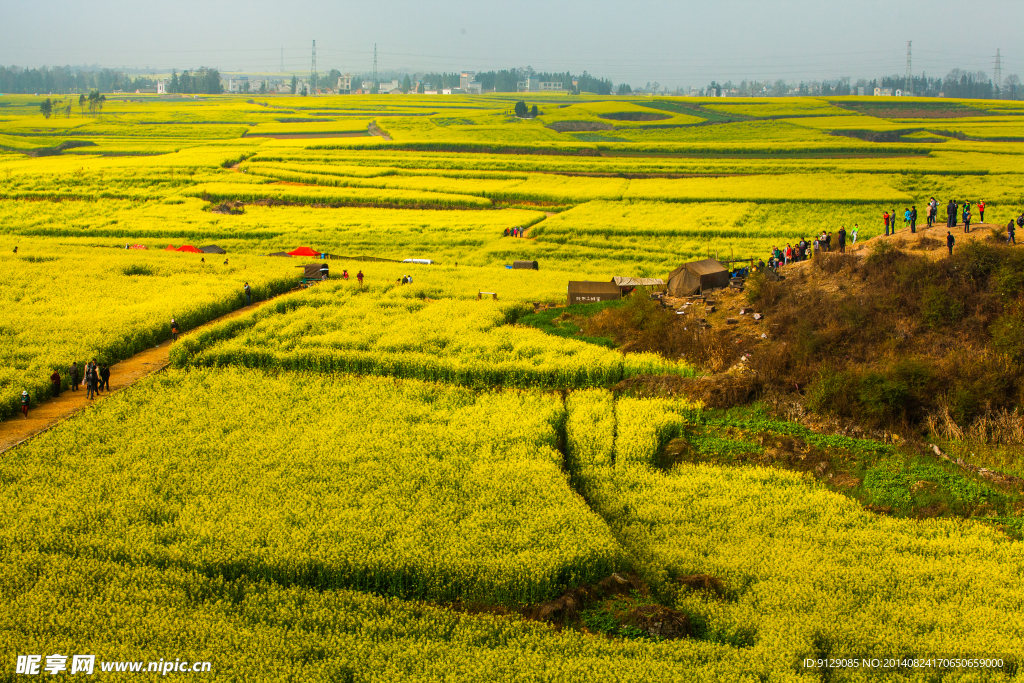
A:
201	81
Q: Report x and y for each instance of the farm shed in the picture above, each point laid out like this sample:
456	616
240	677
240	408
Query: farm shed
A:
697	277
212	249
582	292
527	265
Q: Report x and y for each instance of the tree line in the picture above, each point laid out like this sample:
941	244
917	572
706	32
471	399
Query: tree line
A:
63	80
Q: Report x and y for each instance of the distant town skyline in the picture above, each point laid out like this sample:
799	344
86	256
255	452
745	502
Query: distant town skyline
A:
673	43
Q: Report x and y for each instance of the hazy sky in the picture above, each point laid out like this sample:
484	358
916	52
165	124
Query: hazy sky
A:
675	43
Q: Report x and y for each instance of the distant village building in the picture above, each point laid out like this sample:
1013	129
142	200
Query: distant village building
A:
534	84
238	84
345	84
367	86
161	88
883	92
465	78
389	87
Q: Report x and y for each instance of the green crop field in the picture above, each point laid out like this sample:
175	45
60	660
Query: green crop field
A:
384	480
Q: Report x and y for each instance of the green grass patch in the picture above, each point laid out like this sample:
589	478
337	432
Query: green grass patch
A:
565	322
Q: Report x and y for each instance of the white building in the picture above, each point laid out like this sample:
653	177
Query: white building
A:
883	92
345	84
161	88
465	78
534	84
238	84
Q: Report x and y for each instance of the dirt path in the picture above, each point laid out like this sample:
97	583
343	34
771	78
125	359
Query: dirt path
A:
45	415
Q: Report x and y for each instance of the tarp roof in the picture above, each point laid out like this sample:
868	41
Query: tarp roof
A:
691	278
637	281
304	251
279	253
169	247
212	249
188	249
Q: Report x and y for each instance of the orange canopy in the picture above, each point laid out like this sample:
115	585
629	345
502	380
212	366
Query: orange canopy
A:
188	248
304	251
170	247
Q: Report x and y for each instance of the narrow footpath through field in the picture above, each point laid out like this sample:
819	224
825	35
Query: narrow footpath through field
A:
42	416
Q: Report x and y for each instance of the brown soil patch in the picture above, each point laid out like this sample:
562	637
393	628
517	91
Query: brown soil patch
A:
122	375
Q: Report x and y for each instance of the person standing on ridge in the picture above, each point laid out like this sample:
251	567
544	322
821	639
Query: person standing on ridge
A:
853	233
885	217
1011	234
913	219
967	217
842	240
105	378
950	241
981	211
248	294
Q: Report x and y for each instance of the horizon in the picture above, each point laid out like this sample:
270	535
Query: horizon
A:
452	36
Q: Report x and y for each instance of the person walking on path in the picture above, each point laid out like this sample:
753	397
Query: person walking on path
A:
91	380
24	403
885	217
174	330
950	241
913	219
842	240
248	294
981	211
55	383
359	276
73	376
105	377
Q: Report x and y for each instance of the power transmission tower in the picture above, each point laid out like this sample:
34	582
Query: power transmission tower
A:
373	88
999	74
312	72
908	87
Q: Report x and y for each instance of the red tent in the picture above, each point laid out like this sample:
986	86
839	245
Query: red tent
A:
189	249
304	251
170	247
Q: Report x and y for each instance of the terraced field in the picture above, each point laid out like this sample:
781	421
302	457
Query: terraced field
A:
384	479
